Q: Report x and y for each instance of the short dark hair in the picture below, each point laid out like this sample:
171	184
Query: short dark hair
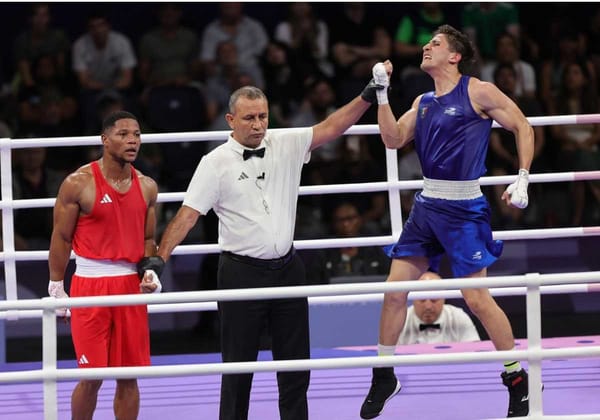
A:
248	92
112	118
460	43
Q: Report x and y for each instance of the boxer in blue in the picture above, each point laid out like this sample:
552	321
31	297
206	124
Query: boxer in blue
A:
450	128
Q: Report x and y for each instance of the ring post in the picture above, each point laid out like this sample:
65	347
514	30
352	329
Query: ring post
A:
534	343
49	361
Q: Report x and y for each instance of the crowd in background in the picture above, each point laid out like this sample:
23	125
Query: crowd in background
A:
175	65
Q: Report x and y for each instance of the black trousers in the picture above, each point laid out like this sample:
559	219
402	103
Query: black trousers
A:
242	323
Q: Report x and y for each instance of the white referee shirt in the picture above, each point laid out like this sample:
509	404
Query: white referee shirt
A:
255	199
455	326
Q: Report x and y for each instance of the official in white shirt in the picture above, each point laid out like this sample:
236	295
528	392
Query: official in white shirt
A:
251	182
433	321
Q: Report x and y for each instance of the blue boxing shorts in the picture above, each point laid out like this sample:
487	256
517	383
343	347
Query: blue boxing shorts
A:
459	228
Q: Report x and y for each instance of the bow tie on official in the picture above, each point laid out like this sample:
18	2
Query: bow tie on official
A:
429	326
248	153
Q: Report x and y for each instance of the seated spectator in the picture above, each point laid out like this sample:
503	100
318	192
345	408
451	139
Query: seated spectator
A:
167	51
33	179
284	86
568	49
48	107
507	52
40	39
483	22
413	32
503	158
308	40
103	59
346	222
430	321
357	165
248	35
166	65
358	41
319	102
221	83
579	143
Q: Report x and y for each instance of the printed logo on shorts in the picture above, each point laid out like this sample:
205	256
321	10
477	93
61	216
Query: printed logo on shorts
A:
83	360
477	255
243	176
106	199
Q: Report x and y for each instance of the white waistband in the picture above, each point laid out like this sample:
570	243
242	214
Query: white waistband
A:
87	267
451	190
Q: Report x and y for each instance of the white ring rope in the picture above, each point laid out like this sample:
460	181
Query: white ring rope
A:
533	285
198	301
359	187
528	280
223	134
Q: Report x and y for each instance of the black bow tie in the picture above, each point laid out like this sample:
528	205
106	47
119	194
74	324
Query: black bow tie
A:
426	326
248	153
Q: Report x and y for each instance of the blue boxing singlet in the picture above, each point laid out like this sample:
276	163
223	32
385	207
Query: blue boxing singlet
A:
442	128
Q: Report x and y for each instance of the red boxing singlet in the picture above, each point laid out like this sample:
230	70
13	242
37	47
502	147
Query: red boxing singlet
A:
115	228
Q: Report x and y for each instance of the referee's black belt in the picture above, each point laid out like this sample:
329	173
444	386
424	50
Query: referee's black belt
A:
272	264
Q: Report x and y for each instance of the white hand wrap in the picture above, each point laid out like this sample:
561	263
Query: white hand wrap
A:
155	280
56	289
382	79
518	190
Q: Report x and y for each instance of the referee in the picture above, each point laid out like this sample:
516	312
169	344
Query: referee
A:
251	182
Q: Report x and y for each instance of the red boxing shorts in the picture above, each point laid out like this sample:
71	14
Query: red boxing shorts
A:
109	336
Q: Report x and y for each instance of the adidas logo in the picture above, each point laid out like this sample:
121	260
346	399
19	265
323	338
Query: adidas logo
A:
83	360
243	176
105	199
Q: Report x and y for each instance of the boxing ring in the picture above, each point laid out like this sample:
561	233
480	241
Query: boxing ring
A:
462	379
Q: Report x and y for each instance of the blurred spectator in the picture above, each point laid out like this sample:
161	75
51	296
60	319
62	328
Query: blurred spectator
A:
415	30
39	39
507	52
226	70
346	222
307	38
284	86
319	103
357	165
358	42
248	35
172	101
103	59
324	165
503	157
483	22
33	179
48	107
579	149
592	35
167	51
570	49
433	321
230	74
